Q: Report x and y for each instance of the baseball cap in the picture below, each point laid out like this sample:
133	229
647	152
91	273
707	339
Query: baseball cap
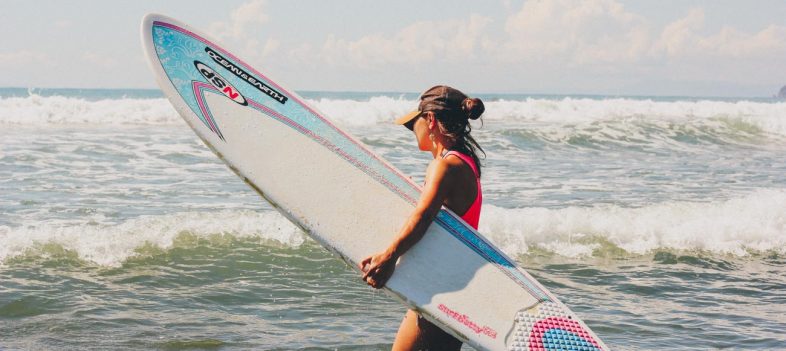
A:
437	98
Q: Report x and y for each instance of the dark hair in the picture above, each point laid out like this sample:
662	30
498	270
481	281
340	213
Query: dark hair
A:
454	124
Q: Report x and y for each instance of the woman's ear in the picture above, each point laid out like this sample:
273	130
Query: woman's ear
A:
432	120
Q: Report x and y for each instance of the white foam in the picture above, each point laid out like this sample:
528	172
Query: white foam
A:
573	110
111	244
677	125
754	223
376	110
35	110
58	110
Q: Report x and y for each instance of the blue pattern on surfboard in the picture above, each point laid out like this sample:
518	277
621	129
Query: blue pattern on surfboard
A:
563	340
177	49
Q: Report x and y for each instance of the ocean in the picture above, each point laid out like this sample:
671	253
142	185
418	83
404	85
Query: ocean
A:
661	221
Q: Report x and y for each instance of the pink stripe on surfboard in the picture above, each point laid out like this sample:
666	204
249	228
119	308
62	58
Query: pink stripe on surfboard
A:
198	86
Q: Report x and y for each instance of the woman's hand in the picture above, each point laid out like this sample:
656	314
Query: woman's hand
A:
378	268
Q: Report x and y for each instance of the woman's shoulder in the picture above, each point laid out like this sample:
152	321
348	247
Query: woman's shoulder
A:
449	172
446	165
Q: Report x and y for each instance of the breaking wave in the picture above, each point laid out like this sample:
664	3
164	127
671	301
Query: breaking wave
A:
742	226
622	114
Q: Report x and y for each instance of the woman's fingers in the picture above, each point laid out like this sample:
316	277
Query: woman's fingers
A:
374	278
382	279
370	279
364	263
375	273
371	270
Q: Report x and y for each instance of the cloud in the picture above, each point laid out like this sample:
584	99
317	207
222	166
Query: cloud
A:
574	32
241	31
546	44
417	43
592	32
241	21
567	45
558	33
677	37
681	39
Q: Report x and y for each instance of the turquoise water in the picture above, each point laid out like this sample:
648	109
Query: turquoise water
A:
660	221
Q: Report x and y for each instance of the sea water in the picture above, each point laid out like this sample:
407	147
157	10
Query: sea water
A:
661	221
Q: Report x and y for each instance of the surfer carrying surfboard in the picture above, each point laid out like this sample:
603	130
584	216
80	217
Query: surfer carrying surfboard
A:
441	126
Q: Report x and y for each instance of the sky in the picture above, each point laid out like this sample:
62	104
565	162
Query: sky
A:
606	47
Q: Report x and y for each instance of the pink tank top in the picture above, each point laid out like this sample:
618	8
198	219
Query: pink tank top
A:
472	216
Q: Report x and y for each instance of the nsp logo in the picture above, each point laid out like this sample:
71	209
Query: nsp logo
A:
220	83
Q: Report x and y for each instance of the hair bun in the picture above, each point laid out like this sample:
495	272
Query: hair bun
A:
473	107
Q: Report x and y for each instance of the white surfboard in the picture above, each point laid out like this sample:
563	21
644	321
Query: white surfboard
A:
351	200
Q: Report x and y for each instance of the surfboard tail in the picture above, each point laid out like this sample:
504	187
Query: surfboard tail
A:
551	326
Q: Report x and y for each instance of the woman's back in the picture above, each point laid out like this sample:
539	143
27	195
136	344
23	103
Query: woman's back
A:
466	197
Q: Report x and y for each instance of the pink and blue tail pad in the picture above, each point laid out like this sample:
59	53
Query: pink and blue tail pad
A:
555	333
548	327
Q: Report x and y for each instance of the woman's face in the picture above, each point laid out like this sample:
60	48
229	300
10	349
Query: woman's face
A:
422	130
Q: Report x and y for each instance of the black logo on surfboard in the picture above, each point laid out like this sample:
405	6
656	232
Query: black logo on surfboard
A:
220	83
256	83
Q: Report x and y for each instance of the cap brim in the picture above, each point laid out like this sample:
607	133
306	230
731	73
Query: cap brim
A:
408	117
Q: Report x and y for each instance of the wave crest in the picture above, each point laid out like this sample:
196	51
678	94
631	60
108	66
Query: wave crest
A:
36	110
752	224
112	244
534	113
740	227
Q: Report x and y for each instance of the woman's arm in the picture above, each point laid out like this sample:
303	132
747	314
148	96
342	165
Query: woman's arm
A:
378	268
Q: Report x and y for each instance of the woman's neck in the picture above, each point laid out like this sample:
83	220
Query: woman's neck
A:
440	148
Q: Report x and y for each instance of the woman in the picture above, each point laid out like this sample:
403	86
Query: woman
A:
441	126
